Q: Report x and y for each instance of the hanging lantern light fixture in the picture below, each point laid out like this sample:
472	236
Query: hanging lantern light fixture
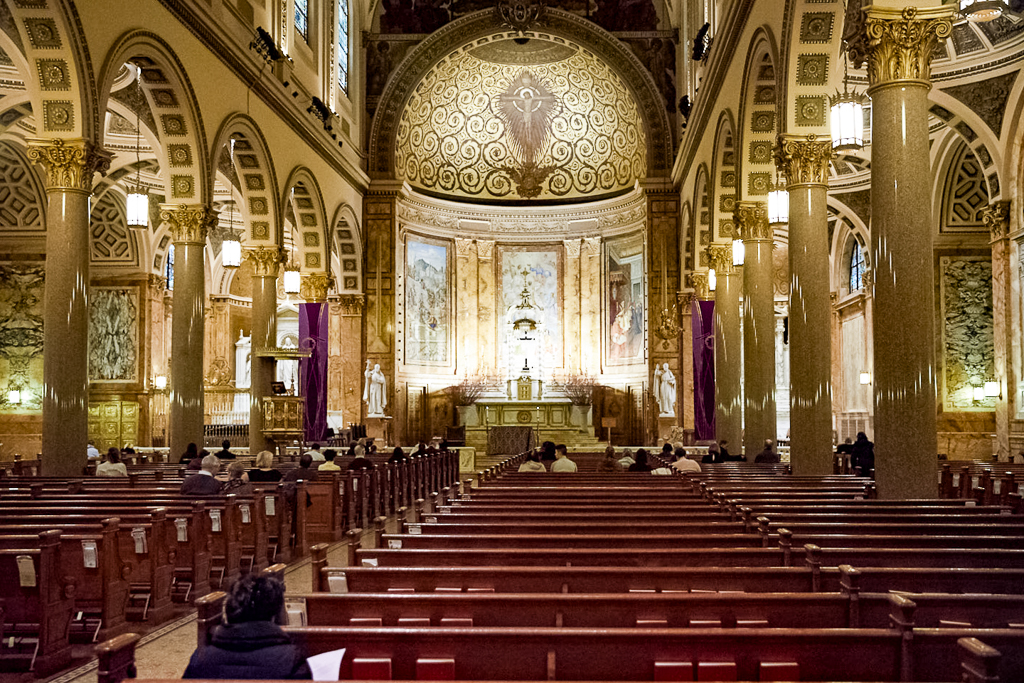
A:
738	252
292	278
712	280
138	196
980	11
847	115
778	204
231	244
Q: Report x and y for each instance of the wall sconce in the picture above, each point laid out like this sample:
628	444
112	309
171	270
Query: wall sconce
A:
712	280
14	397
160	382
738	252
979	394
865	377
992	390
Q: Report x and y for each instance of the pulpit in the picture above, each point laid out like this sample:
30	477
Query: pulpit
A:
284	419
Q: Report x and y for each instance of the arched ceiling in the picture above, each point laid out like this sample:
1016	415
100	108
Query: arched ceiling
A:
521	119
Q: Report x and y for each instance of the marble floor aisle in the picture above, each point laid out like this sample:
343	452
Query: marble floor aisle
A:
164	653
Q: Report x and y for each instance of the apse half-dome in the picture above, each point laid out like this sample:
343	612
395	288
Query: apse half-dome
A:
521	119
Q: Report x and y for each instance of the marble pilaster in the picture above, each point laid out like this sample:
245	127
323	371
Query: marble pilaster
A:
898	46
997	218
759	418
266	266
344	366
804	160
590	289
380	221
69	166
684	300
466	292
189	225
571	307
728	348
485	302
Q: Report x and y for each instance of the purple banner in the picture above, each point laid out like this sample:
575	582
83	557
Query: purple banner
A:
313	322
703	321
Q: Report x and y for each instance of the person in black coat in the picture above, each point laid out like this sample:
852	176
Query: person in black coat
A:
250	644
203	482
862	454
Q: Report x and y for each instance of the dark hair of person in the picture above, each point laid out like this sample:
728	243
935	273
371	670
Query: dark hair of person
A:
305	460
444	445
254	598
316	447
113	455
330	454
667	448
641	457
398	453
225	444
127	450
680	453
560	448
352	449
192	450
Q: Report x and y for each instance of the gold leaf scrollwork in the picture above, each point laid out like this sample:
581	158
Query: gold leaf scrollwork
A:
189	224
900	46
351	304
803	160
69	164
752	221
314	287
996	216
720	256
699	281
265	260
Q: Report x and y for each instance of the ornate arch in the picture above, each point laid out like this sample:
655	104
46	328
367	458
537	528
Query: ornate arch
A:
349	251
812	65
22	195
554	22
966	125
303	194
240	144
759	118
702	217
57	57
723	179
112	243
179	122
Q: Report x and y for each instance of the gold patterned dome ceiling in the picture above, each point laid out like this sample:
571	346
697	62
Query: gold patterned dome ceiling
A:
521	119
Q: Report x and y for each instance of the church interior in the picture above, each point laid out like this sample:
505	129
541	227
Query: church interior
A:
496	223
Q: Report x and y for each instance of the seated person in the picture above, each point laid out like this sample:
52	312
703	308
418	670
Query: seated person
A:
264	470
314	452
225	451
641	462
250	644
533	463
304	471
609	464
562	462
684	464
627	458
361	462
398	456
238	481
112	466
767	456
547	451
328	465
203	483
191	453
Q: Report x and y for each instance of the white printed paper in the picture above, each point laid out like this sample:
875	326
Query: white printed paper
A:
394	544
415	529
337	583
181	526
215	519
355	484
26	572
270	506
139	536
326	666
245	513
89	554
369	561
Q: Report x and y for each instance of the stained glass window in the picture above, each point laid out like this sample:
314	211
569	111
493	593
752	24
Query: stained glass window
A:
302	18
343	45
856	267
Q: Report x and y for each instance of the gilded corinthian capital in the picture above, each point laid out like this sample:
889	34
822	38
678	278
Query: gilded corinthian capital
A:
699	282
803	159
996	217
189	223
720	256
265	260
69	164
315	286
752	221
899	43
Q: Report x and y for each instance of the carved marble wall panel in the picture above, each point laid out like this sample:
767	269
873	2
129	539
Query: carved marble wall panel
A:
968	341
625	309
21	333
113	334
427	302
537	272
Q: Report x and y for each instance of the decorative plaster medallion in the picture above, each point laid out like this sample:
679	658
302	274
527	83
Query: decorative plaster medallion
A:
759	183
816	27
179	155
810	110
58	115
43	34
812	69
173	124
53	74
762	121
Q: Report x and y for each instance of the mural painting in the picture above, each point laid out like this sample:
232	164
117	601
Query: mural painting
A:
427	302
625	297
531	288
21	334
968	339
113	334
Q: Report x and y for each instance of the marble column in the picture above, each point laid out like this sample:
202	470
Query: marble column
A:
69	166
684	301
466	278
899	47
997	218
349	354
590	306
485	302
728	348
758	326
804	160
189	225
266	264
571	307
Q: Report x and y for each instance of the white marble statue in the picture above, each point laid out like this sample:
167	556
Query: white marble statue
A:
375	391
665	390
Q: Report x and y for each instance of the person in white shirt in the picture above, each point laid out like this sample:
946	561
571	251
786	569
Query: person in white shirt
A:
533	463
562	462
314	452
627	458
92	452
684	464
112	466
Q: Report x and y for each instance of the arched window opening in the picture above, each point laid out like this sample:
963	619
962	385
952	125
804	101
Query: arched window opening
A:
302	18
343	45
169	268
856	267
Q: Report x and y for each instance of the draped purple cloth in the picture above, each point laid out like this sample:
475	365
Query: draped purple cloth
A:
313	322
703	323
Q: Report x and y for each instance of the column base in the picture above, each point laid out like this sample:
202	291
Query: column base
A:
379	429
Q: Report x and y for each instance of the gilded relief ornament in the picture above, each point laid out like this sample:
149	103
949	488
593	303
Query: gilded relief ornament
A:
351	304
265	260
314	287
518	15
997	217
69	164
720	256
752	221
667	327
189	223
699	282
900	43
804	160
